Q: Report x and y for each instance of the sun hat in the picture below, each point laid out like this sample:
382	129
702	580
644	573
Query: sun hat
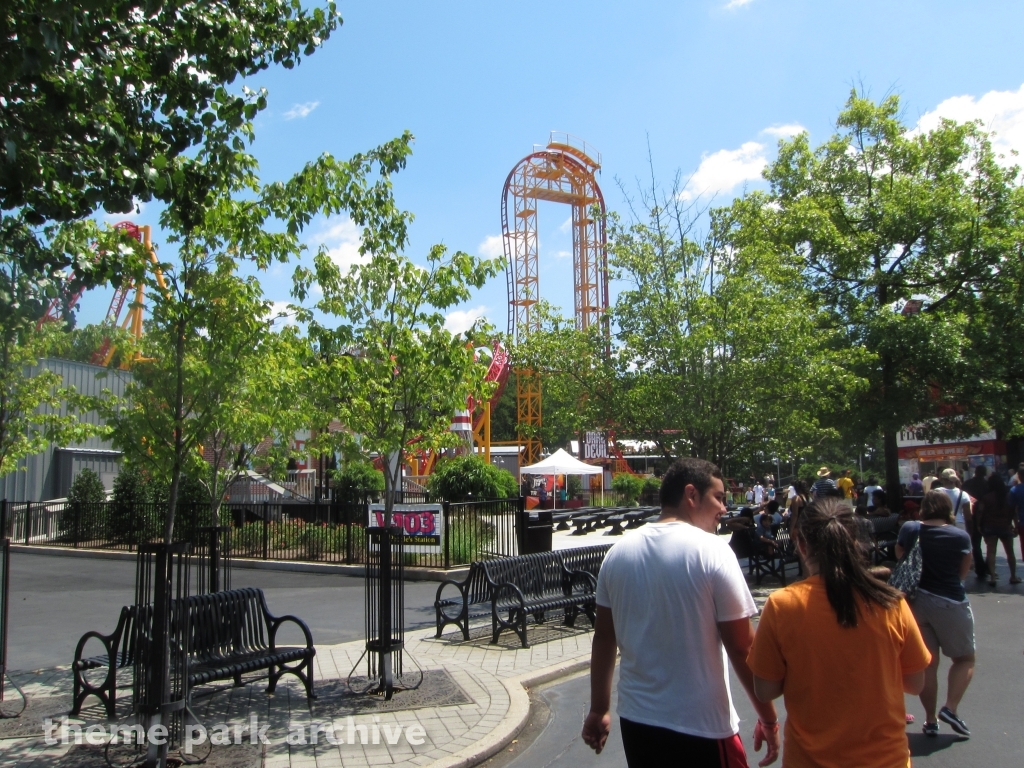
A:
824	471
949	474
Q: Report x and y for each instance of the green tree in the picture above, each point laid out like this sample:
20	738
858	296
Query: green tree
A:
356	477
389	370
629	486
716	350
208	322
84	516
470	477
35	406
101	102
877	216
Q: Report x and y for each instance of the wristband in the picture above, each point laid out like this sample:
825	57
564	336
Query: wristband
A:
770	726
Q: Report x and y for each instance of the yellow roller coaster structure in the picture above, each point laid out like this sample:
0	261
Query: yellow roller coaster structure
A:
562	172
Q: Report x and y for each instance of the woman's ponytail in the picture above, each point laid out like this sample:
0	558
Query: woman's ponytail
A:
828	527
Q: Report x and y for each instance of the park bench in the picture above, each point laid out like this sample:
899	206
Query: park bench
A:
584	524
763	560
532	585
565	573
231	633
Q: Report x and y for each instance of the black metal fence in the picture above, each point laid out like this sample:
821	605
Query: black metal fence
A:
327	531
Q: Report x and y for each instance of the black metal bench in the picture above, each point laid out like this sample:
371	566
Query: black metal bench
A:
473	600
475	597
231	633
584	524
532	585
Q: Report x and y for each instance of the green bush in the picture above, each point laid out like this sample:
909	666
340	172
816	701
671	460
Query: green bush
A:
86	499
628	486
357	476
469	477
573	486
133	516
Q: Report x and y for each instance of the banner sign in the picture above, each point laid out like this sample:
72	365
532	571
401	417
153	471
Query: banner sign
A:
595	445
423	525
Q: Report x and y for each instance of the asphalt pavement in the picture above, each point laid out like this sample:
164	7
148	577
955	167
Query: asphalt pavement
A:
992	706
55	600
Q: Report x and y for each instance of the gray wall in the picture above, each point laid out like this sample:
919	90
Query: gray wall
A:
49	474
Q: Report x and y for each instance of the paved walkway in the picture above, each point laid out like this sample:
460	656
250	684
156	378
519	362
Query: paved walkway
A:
491	679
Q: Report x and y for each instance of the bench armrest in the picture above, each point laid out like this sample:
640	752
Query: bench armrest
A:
509	587
584	578
110	642
459	585
274	623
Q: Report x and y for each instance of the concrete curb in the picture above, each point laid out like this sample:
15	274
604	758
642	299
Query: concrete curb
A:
340	569
515	719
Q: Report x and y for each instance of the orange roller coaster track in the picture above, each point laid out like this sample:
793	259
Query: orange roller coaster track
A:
562	172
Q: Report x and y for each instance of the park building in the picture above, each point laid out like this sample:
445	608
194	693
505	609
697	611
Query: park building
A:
49	474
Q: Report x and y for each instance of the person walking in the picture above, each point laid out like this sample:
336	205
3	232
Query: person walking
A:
758	494
963	508
977	486
915	487
845	484
672	599
824	485
1017	501
842	648
997	519
941	607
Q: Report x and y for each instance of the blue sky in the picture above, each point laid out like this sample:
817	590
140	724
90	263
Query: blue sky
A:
711	84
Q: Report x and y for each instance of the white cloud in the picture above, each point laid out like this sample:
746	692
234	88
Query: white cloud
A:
566	225
461	320
563	254
726	169
491	247
301	110
1000	111
784	131
737	4
280	312
341	237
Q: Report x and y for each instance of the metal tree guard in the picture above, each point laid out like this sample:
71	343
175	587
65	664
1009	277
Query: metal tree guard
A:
5	588
160	684
385	609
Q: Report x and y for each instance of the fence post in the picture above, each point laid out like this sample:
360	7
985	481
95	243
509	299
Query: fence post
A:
4	533
266	530
445	517
28	523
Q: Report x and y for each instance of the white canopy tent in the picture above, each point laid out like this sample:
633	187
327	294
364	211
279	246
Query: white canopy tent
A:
561	463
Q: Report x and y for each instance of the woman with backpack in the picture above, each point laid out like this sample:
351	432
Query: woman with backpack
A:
842	647
940	605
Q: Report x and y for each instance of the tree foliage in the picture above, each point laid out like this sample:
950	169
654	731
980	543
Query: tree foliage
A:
879	215
469	477
389	370
715	349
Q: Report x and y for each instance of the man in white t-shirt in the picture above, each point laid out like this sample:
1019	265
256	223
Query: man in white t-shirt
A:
758	494
672	599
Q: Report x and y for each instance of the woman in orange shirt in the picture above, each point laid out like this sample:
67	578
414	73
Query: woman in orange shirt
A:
841	647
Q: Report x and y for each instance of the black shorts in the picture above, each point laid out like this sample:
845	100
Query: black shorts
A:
649	746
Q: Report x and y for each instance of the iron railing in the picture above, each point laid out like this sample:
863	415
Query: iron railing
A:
329	531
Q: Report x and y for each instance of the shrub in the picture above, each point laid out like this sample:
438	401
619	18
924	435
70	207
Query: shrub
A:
628	486
358	476
573	486
133	517
86	499
470	477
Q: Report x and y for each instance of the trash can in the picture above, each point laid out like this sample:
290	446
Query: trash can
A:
534	531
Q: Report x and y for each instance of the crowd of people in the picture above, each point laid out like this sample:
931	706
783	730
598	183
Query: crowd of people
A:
673	603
